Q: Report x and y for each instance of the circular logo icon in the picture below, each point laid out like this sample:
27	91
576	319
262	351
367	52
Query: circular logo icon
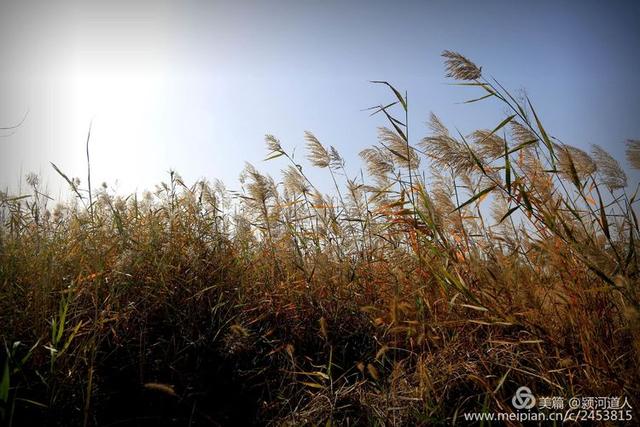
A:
523	399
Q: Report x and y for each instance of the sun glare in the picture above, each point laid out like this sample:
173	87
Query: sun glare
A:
122	102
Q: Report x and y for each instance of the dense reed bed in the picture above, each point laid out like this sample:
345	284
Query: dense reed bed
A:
450	272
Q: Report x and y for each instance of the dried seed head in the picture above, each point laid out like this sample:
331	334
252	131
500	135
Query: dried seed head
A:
436	126
259	187
337	161
612	174
441	194
379	165
403	155
459	67
574	163
633	153
446	151
294	182
521	133
273	143
491	145
318	155
32	179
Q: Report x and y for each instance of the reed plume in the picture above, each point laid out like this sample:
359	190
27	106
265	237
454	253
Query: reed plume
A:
459	67
403	155
633	153
491	146
574	164
317	153
612	174
379	164
521	133
446	151
294	182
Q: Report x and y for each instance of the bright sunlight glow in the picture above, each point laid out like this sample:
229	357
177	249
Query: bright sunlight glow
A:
122	101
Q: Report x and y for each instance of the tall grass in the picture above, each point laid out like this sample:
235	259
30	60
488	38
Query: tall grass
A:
458	268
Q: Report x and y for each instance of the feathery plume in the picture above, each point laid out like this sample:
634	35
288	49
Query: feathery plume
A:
441	195
337	161
32	179
612	174
379	165
356	192
273	143
521	134
574	163
633	153
294	182
260	187
442	190
444	150
318	155
460	67
536	175
403	154
499	208
491	145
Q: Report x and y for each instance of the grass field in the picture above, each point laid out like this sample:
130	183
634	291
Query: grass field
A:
449	273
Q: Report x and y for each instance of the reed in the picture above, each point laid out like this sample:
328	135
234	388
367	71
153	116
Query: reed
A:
449	274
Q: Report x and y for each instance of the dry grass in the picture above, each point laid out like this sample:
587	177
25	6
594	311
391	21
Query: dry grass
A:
395	303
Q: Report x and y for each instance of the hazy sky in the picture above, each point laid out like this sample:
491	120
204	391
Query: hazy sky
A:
194	86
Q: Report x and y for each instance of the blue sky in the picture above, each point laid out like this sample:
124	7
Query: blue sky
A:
194	86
